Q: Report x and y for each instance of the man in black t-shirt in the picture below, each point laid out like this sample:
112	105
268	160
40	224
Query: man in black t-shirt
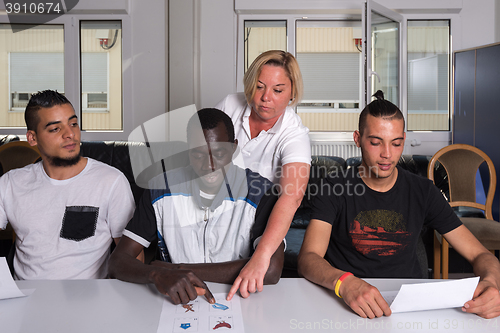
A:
366	221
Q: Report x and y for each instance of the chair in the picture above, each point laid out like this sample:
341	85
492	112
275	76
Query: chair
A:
17	154
461	163
13	155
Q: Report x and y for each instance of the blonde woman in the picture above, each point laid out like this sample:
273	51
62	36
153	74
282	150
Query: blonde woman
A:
275	144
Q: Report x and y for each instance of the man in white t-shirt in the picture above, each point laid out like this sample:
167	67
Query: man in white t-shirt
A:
66	210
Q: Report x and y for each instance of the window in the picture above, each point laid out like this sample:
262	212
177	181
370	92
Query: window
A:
385	57
261	36
428	75
34	71
329	56
83	61
101	73
33	60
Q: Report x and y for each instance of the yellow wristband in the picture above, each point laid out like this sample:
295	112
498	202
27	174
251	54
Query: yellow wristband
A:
339	282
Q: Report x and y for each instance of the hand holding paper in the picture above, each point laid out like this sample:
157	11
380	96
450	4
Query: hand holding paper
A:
485	302
432	295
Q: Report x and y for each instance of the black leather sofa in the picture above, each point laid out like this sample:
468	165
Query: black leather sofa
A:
117	154
322	165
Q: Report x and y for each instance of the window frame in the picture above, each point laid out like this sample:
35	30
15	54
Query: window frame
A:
437	139
291	19
336	108
414	138
450	81
72	69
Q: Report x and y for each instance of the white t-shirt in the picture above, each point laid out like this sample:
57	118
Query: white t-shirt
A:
286	142
64	228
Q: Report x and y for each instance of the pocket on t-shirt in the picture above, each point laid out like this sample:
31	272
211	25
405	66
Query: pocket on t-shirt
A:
79	222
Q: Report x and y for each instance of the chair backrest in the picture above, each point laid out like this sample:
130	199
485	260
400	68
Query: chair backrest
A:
17	154
461	163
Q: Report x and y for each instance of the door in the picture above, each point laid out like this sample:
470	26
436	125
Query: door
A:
382	52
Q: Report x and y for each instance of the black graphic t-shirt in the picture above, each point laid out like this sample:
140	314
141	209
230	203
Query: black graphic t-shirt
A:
375	234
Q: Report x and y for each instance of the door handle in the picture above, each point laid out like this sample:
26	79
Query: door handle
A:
376	74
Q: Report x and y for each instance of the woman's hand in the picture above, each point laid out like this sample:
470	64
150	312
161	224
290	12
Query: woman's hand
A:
251	277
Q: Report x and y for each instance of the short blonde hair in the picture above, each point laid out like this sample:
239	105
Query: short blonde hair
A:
277	58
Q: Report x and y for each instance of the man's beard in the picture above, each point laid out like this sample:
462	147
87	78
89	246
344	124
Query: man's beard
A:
63	162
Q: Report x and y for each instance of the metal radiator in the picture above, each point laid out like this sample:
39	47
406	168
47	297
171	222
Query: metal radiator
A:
342	149
335	148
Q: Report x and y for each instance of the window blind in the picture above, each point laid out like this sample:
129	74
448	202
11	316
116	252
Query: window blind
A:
36	71
330	76
32	72
95	72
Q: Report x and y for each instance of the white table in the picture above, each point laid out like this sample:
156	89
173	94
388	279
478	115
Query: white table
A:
293	305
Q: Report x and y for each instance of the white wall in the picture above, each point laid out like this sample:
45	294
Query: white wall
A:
217	50
205	51
148	63
202	53
181	53
479	23
497	22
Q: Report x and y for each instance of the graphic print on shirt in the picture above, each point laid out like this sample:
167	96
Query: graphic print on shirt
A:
379	232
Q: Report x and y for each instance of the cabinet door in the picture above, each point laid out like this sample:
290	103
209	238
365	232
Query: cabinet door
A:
463	118
487	125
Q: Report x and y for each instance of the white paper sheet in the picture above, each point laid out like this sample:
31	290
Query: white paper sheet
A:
8	288
432	295
200	316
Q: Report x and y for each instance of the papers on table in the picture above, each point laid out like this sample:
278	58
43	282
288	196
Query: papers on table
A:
8	288
432	295
200	316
